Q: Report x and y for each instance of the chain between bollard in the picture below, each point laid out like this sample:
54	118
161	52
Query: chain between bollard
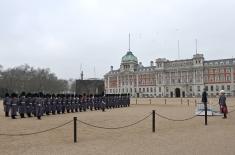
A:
114	128
34	133
176	120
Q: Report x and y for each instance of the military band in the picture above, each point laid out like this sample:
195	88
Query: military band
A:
37	105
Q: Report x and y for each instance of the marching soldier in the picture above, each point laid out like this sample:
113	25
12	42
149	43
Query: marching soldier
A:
14	106
47	103
76	103
22	105
72	98
7	104
80	103
53	104
39	105
68	103
59	104
83	103
64	101
103	104
34	104
29	104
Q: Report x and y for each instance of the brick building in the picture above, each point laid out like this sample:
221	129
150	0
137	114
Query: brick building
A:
178	78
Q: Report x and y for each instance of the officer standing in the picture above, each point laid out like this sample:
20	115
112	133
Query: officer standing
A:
204	101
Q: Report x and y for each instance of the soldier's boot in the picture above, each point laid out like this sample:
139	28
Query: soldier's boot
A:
6	114
53	112
22	115
39	117
13	116
103	109
28	114
72	111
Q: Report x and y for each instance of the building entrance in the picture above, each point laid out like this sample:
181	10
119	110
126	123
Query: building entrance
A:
177	92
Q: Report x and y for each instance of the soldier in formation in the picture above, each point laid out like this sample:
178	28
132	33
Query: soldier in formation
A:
39	104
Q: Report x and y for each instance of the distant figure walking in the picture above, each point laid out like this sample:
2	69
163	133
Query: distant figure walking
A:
204	97
222	103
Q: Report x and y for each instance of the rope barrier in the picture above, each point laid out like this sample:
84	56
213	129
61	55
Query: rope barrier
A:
170	119
125	126
33	133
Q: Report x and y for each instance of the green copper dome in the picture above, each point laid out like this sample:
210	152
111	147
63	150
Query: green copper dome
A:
129	57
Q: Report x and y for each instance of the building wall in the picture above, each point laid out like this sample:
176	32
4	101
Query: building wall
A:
95	87
181	78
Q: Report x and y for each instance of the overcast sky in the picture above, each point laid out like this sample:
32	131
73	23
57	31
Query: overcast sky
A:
67	35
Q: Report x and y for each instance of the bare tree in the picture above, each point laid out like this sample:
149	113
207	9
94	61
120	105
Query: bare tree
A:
28	79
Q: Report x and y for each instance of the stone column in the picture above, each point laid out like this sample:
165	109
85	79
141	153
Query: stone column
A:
170	78
187	77
108	86
232	78
118	84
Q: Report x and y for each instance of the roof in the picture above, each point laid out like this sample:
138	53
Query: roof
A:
129	57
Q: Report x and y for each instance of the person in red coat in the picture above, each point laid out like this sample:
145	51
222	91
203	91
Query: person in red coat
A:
222	103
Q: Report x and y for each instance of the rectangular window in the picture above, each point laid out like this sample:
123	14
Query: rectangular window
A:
190	88
217	88
143	89
212	88
198	88
222	87
139	90
147	90
160	89
228	87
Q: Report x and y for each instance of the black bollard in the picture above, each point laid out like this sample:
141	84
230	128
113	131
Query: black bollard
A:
75	129
165	101
150	101
181	101
188	102
205	105
153	123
